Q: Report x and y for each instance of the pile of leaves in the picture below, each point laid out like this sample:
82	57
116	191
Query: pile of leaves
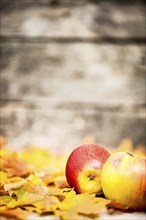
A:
32	180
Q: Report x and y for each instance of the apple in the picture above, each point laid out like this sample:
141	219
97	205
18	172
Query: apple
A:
123	180
84	166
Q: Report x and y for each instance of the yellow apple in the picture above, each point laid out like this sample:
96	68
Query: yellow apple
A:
123	180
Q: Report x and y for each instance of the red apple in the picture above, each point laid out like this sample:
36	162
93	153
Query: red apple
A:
83	168
123	180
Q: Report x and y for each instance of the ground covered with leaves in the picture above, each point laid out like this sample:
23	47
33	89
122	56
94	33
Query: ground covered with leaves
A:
32	180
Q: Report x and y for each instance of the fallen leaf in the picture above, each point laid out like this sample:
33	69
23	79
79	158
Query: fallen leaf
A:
3	177
32	191
38	184
17	213
61	182
46	204
85	204
4	200
14	183
14	166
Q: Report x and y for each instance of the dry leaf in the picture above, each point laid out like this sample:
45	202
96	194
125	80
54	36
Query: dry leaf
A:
14	166
3	177
32	191
17	213
4	200
14	183
38	184
84	204
47	204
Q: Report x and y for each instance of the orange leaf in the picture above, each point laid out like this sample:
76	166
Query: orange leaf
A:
17	213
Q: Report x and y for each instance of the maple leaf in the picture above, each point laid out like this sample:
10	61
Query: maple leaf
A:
14	183
14	166
86	204
64	215
32	191
3	177
40	157
17	213
47	176
43	159
61	182
38	184
46	204
54	191
35	193
5	199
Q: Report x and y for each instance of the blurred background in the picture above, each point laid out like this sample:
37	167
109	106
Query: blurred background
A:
72	72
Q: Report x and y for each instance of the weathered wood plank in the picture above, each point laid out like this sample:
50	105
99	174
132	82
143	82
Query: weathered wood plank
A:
86	73
63	129
8	4
89	20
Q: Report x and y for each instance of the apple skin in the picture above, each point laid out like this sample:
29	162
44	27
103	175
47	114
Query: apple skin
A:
123	180
84	166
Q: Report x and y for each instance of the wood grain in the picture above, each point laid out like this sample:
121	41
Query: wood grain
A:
81	19
72	69
86	73
63	129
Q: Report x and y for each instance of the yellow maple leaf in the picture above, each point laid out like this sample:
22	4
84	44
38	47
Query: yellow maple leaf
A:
32	191
38	184
3	177
5	199
46	204
85	204
14	183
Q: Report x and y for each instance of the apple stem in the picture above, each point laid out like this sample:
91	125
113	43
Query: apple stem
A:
130	154
91	177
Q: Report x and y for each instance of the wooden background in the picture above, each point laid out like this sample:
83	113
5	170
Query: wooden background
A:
72	71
